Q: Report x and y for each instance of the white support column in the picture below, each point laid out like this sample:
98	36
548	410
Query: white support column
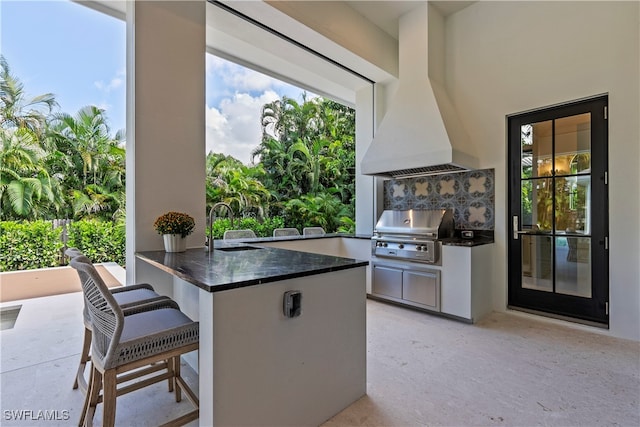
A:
165	120
365	185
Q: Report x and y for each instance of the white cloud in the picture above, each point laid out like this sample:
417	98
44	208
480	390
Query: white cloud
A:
117	81
234	127
239	78
238	95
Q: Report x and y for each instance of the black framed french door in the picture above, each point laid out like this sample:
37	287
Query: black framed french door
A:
558	210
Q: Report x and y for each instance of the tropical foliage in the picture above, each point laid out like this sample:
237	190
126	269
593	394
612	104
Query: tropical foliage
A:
55	165
59	165
240	186
26	245
308	157
100	241
36	244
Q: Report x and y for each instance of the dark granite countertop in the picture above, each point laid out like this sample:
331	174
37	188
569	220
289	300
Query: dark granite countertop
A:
459	241
481	237
301	237
229	267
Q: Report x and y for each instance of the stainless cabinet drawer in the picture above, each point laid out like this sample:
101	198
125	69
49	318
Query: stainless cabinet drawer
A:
422	287
387	281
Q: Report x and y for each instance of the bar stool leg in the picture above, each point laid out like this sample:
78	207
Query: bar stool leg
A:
91	401
176	375
109	398
84	359
171	371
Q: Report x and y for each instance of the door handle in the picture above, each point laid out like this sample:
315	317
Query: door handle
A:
516	231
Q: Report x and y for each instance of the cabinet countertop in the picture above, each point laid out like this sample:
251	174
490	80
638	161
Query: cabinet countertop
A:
231	266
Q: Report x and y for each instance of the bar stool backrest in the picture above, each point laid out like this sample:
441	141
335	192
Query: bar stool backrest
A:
73	253
238	234
107	319
313	231
288	231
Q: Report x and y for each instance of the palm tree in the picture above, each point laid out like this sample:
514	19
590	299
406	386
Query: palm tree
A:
88	132
322	210
23	179
17	111
308	162
308	148
85	148
228	180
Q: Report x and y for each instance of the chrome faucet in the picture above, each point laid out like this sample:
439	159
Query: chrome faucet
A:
212	217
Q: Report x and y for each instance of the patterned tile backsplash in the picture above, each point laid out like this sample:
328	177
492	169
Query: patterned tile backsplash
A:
470	194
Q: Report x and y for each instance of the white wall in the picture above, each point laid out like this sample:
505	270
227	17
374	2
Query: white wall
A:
365	200
508	57
501	58
165	120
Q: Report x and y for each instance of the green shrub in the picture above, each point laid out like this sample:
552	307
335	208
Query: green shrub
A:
265	228
100	241
324	211
261	228
28	245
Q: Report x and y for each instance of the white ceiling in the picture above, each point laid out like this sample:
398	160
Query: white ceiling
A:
229	37
385	14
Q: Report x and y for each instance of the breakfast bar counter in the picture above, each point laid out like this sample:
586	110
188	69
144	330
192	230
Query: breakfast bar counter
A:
232	266
256	365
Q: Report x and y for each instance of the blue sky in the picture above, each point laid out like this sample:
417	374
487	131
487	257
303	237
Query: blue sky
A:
78	54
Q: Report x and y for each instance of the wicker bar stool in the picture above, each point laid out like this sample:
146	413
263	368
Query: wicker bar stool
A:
238	234
287	231
126	348
126	297
313	231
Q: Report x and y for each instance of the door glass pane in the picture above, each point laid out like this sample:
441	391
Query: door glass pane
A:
535	153
537	263
537	204
573	144
573	200
573	266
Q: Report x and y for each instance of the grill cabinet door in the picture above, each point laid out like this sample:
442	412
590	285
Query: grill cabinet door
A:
387	281
422	287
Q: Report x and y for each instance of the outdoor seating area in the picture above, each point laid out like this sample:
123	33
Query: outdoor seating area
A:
39	362
508	369
137	339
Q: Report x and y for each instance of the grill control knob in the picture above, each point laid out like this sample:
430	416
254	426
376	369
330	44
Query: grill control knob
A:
400	246
420	248
385	244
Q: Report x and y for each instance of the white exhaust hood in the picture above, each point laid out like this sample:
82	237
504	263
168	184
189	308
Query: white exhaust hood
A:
421	132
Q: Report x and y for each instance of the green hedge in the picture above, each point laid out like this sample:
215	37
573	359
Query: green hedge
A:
100	241
28	245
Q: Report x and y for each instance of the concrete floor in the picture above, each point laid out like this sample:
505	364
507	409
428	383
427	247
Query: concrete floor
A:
508	370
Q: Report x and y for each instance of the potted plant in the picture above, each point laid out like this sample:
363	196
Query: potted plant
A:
174	227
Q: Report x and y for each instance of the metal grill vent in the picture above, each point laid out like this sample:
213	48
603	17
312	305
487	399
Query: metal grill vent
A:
427	170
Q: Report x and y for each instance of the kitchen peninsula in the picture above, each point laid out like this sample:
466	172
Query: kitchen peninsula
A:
256	365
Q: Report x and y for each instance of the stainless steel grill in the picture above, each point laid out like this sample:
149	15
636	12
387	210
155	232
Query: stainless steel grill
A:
412	234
